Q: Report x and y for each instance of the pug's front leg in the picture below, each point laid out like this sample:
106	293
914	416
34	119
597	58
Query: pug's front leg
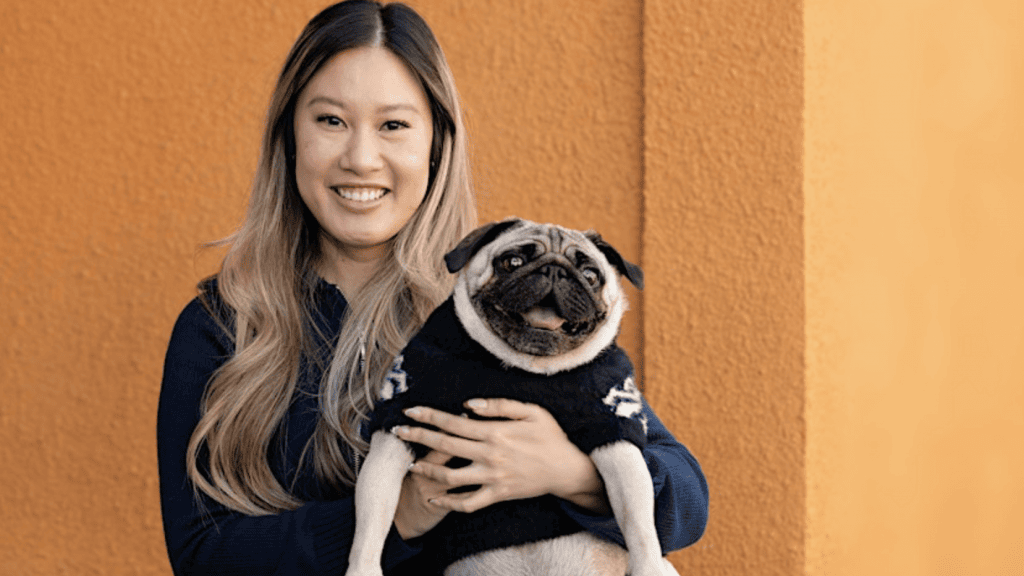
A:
378	488
631	495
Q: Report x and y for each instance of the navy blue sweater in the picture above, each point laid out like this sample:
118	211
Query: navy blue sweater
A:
204	537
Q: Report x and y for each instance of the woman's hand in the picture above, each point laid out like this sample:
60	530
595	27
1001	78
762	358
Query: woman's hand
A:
416	514
526	456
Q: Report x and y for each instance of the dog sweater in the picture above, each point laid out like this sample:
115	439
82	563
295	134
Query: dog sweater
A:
442	367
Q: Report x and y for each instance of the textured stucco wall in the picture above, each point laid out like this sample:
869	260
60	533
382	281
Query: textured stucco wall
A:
915	270
128	133
723	317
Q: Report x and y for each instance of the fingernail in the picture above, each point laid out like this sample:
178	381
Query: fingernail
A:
413	412
400	430
476	404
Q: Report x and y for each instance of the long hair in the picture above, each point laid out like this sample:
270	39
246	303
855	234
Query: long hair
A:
268	277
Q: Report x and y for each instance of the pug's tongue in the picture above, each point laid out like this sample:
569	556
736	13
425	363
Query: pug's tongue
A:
546	318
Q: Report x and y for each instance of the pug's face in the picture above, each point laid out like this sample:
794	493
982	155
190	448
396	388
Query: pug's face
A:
542	290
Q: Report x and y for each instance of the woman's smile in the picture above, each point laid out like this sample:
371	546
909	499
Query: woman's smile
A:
360	193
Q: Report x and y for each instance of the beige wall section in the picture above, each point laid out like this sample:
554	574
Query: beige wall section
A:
915	271
722	244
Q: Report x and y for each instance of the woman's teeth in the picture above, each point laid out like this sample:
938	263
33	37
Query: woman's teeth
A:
361	194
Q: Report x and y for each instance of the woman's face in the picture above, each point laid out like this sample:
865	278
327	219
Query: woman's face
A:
363	131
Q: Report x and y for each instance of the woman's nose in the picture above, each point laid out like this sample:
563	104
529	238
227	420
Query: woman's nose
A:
362	153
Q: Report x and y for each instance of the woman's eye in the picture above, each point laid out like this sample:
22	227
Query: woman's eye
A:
394	125
329	120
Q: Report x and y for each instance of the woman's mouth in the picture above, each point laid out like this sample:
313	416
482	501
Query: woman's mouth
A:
360	194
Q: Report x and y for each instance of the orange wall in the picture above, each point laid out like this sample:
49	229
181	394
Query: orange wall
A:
915	271
722	243
129	131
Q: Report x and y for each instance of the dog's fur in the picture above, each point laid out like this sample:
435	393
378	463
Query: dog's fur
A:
549	315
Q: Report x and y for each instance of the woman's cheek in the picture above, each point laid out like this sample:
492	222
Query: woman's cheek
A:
416	167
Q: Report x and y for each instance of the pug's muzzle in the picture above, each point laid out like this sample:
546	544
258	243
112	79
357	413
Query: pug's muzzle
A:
543	307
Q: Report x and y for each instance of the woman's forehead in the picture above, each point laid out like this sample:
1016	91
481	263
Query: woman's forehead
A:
367	78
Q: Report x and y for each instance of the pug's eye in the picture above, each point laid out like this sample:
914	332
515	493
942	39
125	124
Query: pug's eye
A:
512	262
592	276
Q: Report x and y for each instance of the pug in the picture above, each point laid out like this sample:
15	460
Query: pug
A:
533	317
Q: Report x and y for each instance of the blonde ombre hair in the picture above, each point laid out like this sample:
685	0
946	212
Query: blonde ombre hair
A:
268	277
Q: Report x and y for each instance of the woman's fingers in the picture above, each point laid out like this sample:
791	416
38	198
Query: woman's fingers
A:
476	429
504	408
436	471
440	441
436	457
450	423
471	475
416	513
472	501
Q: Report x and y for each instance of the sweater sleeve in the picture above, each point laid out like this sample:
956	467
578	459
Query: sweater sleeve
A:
680	492
204	537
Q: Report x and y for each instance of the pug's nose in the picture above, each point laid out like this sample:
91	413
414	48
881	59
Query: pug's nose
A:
554	272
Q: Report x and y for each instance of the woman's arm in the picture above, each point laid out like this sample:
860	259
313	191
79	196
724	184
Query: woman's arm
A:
204	537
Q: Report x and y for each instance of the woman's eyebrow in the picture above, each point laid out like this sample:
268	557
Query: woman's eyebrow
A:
326	99
400	106
385	108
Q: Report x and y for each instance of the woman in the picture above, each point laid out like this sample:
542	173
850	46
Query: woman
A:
363	185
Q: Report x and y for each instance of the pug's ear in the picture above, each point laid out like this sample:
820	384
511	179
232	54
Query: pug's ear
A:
474	241
631	271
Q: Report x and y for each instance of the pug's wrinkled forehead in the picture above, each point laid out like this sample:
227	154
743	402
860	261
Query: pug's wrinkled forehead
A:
548	242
